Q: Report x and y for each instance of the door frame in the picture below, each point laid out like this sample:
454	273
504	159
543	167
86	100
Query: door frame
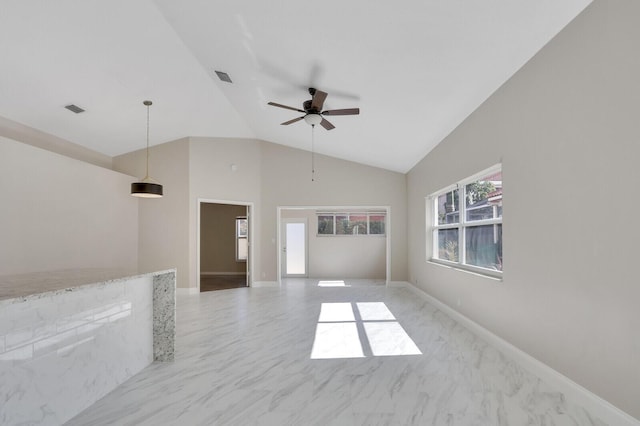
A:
306	245
279	209
249	210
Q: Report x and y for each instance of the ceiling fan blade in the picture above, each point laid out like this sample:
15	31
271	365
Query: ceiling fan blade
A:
286	123
347	111
318	100
324	123
284	106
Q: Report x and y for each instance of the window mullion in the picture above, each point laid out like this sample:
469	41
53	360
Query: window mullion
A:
447	226
496	221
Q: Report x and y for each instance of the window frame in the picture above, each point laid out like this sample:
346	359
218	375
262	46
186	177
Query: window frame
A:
463	223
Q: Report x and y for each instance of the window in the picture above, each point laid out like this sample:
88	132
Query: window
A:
376	224
343	223
467	223
325	224
351	224
242	246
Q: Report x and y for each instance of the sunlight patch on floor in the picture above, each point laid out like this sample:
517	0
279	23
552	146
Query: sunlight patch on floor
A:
389	339
335	312
374	311
350	330
337	340
334	283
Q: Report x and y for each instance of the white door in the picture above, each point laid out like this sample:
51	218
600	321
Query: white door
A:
294	248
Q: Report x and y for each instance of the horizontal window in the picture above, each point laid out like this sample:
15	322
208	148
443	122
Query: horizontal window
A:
347	223
467	222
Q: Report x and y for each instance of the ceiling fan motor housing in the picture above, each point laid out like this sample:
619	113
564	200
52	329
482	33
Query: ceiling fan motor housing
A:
306	105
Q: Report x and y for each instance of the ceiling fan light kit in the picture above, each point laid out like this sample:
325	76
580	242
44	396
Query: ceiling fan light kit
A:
313	119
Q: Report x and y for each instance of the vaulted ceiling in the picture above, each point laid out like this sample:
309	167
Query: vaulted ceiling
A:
416	69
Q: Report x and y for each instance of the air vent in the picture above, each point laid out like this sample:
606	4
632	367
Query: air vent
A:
224	76
74	108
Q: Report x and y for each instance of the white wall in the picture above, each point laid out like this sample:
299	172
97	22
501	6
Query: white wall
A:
211	177
286	181
271	175
358	256
163	222
566	129
266	175
61	213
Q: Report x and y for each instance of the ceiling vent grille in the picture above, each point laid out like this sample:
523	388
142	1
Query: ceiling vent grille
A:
74	108
224	76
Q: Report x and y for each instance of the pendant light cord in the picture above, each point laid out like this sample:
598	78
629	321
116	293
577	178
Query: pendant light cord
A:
146	176
313	153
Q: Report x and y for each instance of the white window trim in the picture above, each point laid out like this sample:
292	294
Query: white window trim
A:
433	227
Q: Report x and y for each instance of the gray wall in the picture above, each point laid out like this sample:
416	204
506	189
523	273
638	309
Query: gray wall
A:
271	175
286	181
163	222
566	129
357	256
267	175
61	213
211	177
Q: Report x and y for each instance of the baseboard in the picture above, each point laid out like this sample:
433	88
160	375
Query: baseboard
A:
607	412
265	284
205	274
186	290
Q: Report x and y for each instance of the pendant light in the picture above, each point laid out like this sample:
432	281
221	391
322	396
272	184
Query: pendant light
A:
146	188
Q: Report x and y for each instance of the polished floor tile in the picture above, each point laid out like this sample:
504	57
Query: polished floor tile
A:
384	357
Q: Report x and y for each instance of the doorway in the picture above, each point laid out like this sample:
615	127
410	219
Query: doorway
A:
223	258
294	248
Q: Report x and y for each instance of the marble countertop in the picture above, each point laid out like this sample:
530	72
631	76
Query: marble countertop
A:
23	287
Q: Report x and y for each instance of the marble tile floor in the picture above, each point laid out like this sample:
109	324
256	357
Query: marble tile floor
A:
243	357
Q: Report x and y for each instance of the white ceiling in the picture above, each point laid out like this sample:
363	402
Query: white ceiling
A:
416	69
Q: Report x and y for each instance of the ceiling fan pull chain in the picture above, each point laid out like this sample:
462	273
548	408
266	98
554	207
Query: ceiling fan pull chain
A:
313	154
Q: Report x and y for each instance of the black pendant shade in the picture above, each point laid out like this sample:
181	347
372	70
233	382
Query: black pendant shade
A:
147	188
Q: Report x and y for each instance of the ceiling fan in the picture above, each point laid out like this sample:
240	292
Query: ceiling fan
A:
312	110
